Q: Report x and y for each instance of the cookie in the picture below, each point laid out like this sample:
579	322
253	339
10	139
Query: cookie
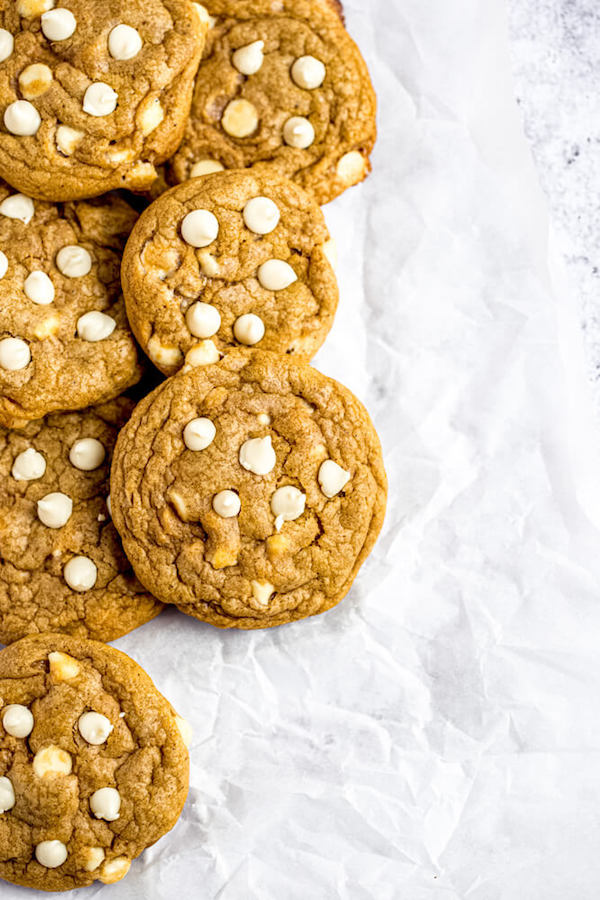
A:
250	492
233	259
282	87
94	765
94	95
62	566
65	342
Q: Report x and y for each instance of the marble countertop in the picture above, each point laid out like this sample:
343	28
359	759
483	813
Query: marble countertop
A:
555	47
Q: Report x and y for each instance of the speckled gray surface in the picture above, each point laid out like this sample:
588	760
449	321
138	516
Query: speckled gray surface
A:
555	47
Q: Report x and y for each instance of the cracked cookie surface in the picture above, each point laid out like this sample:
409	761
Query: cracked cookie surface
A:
62	566
250	492
93	763
283	87
65	342
231	259
94	94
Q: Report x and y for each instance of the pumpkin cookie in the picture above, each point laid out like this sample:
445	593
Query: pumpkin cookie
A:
236	258
94	764
65	342
249	493
281	86
62	567
93	94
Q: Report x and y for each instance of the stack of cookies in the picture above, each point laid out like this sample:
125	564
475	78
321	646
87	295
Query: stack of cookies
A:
163	167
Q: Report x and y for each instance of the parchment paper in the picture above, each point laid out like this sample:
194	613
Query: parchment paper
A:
437	735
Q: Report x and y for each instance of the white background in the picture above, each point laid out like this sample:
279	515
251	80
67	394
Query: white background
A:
437	735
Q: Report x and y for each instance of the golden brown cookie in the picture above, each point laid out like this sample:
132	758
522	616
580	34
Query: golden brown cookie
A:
249	493
65	342
62	566
282	87
236	258
94	95
93	763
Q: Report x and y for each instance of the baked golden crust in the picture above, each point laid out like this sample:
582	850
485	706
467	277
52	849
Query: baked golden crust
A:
263	566
340	110
34	595
68	368
164	276
88	143
56	768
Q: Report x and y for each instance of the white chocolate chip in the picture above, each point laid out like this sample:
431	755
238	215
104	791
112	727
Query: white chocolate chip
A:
109	506
18	206
51	854
199	434
240	118
150	115
74	261
264	419
124	42
87	454
351	168
94	857
248	60
80	573
14	354
95	326
35	80
257	455
62	666
276	275
200	228
3	264
22	118
330	251
208	264
46	327
17	720
58	24
7	794
115	869
162	355
55	509
203	320
7	44
332	478
205	16
262	591
261	215
249	329
308	72
287	504
28	465
298	132
94	728
67	139
100	99
30	8
105	803
39	288
52	760
227	504
203	354
206	167
185	730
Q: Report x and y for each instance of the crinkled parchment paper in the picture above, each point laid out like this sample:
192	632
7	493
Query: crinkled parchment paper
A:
437	735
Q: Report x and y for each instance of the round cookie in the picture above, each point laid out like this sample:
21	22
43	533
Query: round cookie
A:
249	493
65	342
94	764
282	87
62	566
229	260
94	95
